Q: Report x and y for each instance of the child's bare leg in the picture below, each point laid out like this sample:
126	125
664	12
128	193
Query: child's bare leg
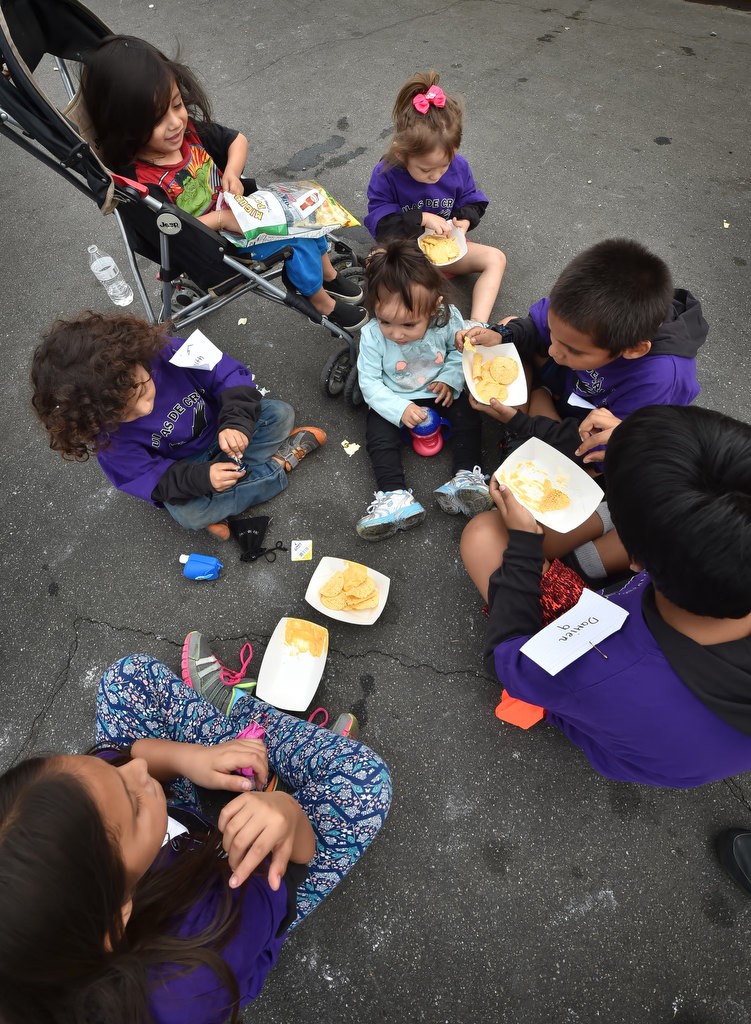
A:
541	404
483	543
490	264
556	545
612	552
329	273
322	301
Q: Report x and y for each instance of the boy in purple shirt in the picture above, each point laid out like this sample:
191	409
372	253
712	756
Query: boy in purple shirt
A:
666	700
177	423
613	335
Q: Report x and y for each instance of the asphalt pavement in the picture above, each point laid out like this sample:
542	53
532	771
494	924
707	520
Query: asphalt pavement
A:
511	883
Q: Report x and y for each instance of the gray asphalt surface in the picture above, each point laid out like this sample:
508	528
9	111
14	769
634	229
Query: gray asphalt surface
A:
511	883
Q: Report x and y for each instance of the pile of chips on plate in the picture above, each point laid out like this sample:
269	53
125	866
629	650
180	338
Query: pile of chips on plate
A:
350	590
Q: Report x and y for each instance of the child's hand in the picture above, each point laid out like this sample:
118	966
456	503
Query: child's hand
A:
413	415
463	224
255	825
595	431
478	336
224	475
232	442
514	515
438	225
232	183
444	394
213	767
496	410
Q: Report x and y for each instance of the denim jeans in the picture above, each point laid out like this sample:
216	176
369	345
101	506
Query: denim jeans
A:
265	477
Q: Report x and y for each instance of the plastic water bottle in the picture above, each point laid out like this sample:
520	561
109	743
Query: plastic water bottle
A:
104	269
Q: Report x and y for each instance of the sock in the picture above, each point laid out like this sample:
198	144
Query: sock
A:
603	512
588	557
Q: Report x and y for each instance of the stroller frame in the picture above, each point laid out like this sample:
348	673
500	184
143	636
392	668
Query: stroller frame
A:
66	29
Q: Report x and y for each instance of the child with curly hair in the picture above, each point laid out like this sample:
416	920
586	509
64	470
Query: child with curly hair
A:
176	423
424	183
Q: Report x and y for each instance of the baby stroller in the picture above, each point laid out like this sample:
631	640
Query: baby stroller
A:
197	273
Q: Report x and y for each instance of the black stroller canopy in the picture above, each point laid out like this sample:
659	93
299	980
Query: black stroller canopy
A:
30	29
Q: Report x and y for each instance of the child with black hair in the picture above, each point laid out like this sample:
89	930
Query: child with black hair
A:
177	423
613	335
122	902
666	700
152	122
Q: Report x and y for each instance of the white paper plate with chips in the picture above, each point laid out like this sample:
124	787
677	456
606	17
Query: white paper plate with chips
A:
541	478
293	664
326	570
517	389
457	236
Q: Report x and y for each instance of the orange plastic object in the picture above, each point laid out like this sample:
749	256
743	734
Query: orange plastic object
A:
518	712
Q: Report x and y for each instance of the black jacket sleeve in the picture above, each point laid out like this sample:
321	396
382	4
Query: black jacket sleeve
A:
182	481
216	139
399	225
524	334
239	409
514	593
473	212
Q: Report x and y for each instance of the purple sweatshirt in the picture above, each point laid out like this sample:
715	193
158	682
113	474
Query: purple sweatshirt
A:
633	715
392	190
665	376
191	405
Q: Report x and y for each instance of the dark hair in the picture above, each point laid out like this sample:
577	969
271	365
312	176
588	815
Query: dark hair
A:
82	377
127	85
416	134
617	292
400	268
62	889
679	491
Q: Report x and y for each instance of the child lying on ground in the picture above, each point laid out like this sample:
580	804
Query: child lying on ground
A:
667	699
178	424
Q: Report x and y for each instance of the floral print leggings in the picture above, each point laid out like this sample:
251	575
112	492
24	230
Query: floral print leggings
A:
343	787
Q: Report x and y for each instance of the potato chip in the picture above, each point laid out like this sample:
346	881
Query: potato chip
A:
350	590
504	370
477	366
491	376
439	249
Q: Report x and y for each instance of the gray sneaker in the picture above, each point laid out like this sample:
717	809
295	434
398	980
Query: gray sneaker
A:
203	672
391	511
466	492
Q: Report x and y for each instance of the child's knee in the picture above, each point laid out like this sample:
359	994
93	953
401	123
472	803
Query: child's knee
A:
483	530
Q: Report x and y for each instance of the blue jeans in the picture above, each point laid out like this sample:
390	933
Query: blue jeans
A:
303	267
265	477
343	787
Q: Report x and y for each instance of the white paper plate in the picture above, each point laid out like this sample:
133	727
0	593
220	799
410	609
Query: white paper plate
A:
460	237
324	571
563	473
517	391
289	679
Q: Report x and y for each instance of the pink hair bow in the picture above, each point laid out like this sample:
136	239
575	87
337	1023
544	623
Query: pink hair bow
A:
435	95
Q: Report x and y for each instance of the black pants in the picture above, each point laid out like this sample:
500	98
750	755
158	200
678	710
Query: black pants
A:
384	442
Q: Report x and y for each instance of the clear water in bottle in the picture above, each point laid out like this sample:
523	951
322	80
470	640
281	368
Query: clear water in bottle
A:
105	270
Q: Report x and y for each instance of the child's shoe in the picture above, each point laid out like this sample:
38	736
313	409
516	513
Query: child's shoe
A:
301	442
466	492
344	288
203	672
220	531
349	318
391	511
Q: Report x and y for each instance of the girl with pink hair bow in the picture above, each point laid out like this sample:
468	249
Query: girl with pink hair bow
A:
422	183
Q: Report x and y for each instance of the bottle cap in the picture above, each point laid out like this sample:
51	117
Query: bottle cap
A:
184	559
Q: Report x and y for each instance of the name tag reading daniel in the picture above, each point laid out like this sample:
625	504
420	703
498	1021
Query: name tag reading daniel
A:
575	633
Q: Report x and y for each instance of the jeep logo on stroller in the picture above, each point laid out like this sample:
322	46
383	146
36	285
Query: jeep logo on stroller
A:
169	224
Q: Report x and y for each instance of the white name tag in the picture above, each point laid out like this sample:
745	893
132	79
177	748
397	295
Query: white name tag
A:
174	829
197	353
574	399
575	633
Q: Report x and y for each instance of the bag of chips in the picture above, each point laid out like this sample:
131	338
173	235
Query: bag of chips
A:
287	209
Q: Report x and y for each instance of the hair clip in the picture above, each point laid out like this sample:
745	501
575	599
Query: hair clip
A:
435	96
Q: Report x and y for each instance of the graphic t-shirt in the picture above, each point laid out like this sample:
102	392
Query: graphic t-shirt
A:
193	183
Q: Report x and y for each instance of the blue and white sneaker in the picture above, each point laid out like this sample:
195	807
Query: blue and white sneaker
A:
391	511
466	492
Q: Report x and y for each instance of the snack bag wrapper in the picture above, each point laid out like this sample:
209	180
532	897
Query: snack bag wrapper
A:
287	209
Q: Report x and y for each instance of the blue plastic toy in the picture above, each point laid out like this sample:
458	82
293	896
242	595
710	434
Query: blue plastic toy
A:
428	436
201	567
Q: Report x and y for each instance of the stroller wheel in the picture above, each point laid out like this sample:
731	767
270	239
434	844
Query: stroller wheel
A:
335	372
352	393
340	263
186	291
353	273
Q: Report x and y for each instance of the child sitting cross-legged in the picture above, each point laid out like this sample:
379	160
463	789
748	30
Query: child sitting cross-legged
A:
665	700
179	424
613	335
408	361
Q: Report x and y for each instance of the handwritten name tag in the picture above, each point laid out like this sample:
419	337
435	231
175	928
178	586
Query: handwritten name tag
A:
575	633
197	353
